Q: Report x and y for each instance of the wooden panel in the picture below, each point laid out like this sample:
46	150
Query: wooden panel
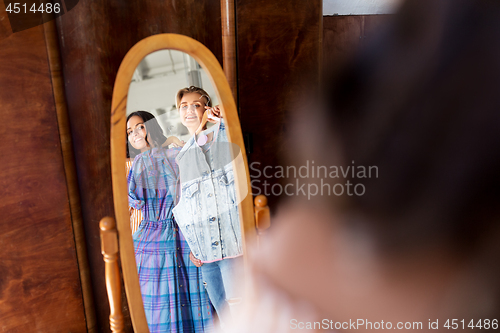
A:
39	281
54	58
343	35
278	44
94	37
5	29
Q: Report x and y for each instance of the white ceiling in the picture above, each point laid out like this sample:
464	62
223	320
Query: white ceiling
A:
359	7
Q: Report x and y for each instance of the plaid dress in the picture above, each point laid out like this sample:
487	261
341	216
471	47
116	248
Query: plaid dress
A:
174	297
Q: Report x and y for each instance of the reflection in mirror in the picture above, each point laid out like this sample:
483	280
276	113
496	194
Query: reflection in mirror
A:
183	204
156	82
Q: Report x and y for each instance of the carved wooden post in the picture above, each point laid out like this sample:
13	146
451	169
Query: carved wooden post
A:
109	249
262	215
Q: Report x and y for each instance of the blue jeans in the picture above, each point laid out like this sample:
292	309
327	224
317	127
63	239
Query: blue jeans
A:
219	278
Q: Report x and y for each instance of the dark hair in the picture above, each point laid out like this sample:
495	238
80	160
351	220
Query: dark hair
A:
422	104
155	133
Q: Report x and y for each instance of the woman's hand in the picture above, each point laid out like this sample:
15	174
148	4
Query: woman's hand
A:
173	140
214	113
196	262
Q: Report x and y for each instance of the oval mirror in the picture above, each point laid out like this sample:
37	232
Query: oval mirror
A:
209	195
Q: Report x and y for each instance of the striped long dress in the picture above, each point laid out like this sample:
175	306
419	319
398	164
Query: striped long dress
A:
174	297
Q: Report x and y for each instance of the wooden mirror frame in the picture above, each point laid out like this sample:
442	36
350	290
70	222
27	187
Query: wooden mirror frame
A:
118	139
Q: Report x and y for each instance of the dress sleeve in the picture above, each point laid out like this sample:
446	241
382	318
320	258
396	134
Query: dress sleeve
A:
135	214
135	192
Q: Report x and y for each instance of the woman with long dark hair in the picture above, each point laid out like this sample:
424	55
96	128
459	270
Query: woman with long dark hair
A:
140	143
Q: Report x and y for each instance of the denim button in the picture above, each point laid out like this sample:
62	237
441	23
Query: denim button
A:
210	194
212	218
216	243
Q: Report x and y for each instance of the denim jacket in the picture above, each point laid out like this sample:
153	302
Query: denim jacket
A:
207	212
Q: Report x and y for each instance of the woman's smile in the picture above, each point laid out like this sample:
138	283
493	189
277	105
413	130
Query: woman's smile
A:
191	117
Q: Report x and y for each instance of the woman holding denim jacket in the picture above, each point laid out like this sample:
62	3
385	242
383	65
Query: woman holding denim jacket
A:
207	212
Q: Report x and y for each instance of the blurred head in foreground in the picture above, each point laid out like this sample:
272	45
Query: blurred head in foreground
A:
422	243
